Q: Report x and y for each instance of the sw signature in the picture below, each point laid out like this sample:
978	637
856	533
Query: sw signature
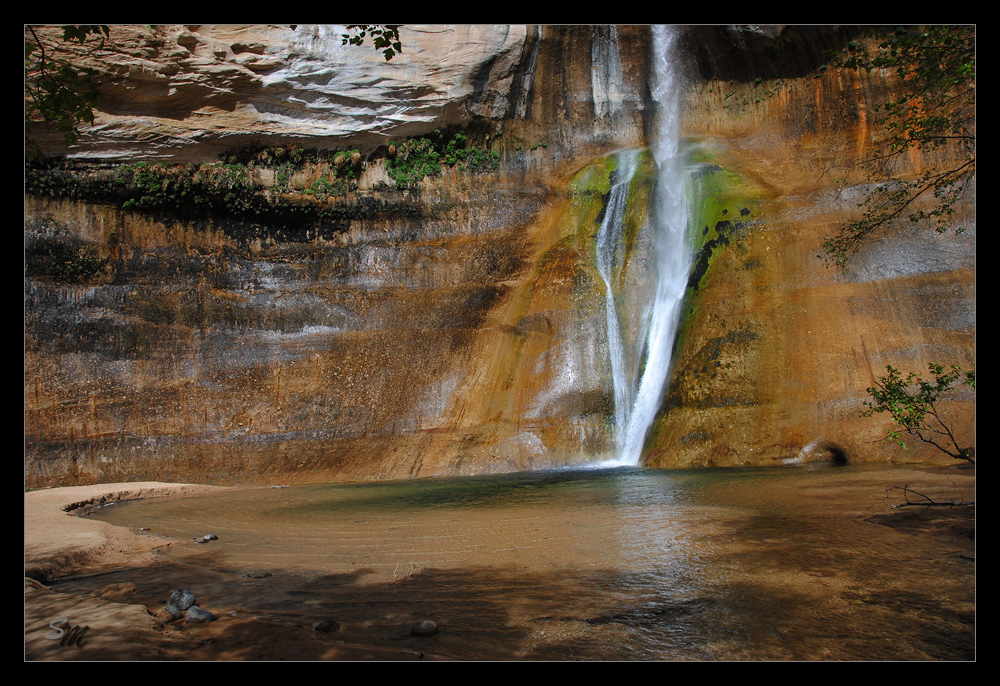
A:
73	635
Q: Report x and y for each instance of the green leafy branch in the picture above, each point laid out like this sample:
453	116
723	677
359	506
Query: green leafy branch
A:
936	69
58	94
911	401
385	37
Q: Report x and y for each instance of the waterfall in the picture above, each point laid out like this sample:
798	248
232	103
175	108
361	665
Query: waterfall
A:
609	240
654	316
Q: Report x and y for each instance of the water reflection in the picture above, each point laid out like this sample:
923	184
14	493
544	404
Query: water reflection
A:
608	563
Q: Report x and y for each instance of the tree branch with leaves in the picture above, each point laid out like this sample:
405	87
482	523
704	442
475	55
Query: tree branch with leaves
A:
57	93
385	37
911	401
934	115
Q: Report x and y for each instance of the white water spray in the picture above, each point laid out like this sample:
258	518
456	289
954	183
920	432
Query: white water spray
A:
639	387
609	239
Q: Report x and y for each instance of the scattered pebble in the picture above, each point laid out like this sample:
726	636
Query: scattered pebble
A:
327	626
424	628
182	605
197	615
181	599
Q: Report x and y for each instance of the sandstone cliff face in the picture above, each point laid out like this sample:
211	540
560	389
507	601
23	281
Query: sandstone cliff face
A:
463	331
187	92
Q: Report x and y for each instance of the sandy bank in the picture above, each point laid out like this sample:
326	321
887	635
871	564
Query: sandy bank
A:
123	624
56	543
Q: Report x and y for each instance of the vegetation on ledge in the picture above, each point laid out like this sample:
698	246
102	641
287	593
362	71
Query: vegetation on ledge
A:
194	192
259	184
415	158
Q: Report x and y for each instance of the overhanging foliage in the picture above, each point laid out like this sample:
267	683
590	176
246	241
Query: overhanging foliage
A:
934	116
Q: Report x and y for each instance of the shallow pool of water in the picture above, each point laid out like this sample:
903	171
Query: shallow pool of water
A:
802	563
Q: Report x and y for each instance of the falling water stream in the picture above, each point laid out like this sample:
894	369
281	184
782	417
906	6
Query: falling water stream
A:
640	374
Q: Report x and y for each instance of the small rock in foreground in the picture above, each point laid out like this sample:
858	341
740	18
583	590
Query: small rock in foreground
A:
327	626
197	615
424	628
182	599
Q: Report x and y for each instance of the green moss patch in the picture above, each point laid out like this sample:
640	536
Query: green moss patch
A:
722	214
